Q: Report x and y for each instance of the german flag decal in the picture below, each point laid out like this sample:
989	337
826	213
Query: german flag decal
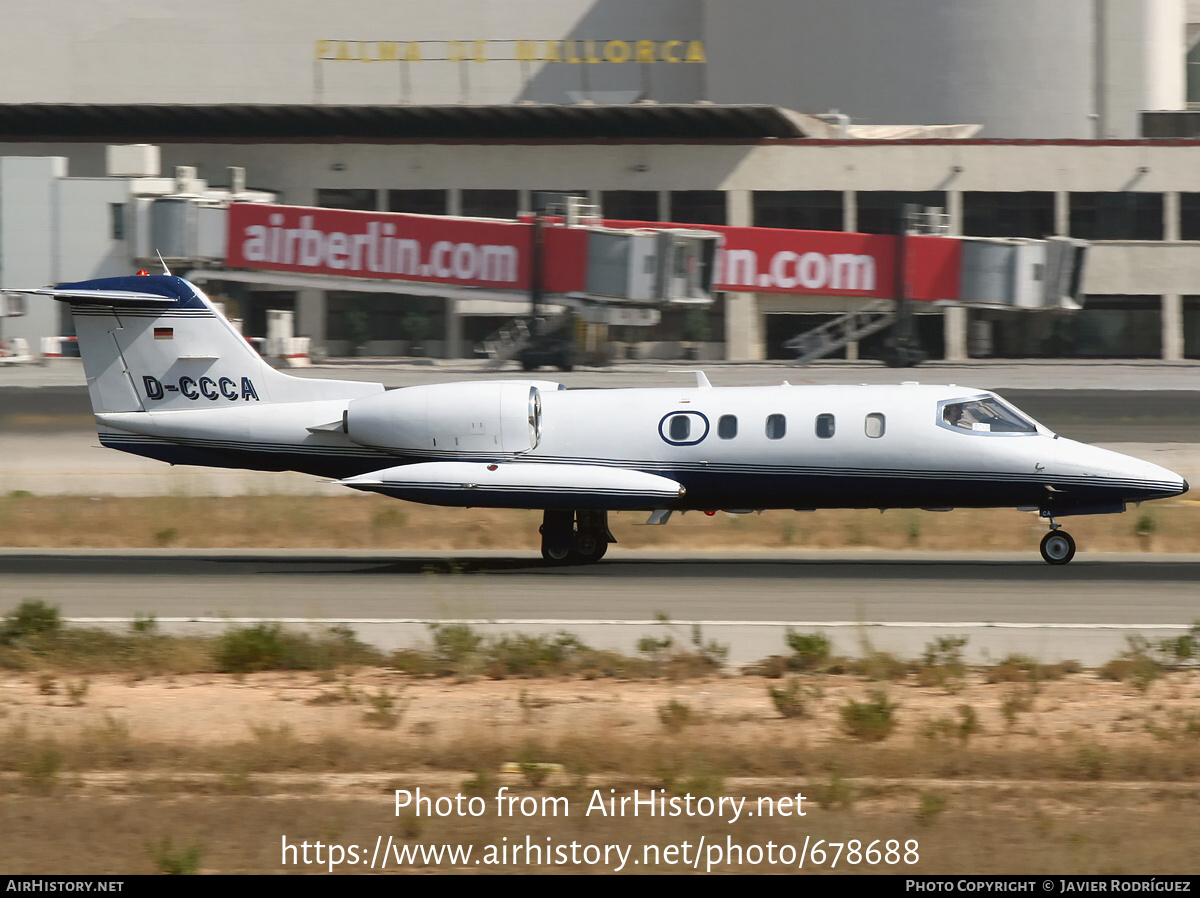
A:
164	333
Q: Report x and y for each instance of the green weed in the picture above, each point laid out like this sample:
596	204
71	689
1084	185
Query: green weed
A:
872	720
792	699
175	861
810	651
675	715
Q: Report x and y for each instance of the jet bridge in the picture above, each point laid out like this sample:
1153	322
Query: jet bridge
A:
606	272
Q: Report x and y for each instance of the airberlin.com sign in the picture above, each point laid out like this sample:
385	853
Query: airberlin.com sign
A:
829	263
495	254
384	245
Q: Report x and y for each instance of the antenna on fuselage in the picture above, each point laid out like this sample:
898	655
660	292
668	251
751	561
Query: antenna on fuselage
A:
166	270
701	377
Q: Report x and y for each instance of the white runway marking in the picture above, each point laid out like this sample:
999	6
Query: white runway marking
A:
584	622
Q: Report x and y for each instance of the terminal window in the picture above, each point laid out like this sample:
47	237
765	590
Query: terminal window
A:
117	220
1123	215
1116	327
879	210
806	210
698	206
490	203
1008	214
341	198
630	205
553	202
1189	216
418	202
1191	327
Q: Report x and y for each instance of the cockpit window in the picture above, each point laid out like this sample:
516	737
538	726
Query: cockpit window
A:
984	415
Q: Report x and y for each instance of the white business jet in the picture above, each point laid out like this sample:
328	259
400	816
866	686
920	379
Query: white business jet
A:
171	379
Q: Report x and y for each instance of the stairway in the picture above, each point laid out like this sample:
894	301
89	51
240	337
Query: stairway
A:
833	335
507	342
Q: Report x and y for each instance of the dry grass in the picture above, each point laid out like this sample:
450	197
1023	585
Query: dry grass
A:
377	522
1090	830
1096	776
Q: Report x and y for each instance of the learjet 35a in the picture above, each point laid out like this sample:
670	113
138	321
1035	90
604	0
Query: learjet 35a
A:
170	378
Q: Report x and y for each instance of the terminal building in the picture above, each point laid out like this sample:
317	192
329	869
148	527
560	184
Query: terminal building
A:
1014	118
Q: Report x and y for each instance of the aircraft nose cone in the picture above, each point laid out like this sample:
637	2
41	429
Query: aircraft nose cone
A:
1185	488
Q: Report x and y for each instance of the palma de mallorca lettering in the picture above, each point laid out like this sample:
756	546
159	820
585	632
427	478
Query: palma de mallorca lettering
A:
568	51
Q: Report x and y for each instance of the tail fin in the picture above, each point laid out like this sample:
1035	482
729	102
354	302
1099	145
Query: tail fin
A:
156	342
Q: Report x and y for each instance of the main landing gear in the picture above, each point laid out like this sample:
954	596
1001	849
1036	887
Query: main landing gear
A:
574	537
1058	546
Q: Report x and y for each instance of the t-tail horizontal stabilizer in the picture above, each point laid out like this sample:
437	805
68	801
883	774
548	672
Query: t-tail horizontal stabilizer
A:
116	298
520	485
155	343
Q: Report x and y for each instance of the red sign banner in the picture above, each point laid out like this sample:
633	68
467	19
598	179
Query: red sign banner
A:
431	248
496	254
827	263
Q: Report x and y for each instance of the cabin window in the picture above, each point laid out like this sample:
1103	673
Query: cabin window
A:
875	425
776	427
683	428
680	428
984	415
727	427
825	426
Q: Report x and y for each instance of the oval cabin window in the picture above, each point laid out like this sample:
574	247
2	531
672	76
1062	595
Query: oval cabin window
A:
680	428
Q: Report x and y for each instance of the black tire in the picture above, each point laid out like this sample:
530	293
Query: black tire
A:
1058	547
590	547
557	554
586	544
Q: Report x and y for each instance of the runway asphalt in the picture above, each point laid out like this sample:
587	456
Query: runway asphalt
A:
1004	603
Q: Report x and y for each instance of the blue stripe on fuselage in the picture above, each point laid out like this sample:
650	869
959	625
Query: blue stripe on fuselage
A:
705	489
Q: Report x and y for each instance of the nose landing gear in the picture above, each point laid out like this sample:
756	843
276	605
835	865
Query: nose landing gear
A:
1058	546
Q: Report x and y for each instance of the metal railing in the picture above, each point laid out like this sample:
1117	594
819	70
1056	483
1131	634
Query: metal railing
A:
833	335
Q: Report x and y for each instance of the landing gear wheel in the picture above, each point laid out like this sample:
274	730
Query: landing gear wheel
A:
556	554
570	537
558	536
586	545
590	547
1058	547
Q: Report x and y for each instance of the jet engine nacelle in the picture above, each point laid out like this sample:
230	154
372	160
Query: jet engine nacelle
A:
487	417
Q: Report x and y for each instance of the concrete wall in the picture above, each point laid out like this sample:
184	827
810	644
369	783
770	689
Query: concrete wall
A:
55	229
29	238
1134	268
87	247
1022	68
228	51
298	170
